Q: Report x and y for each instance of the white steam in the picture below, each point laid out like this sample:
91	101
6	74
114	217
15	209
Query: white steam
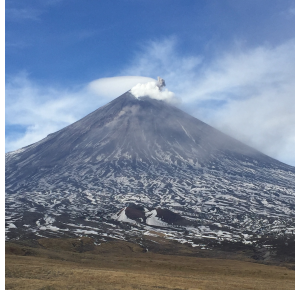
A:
151	90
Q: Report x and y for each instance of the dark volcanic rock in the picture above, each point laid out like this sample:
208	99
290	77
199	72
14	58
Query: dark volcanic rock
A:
135	212
170	217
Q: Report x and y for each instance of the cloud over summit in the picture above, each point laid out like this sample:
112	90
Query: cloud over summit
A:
115	86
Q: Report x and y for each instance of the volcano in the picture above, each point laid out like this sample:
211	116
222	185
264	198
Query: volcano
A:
140	165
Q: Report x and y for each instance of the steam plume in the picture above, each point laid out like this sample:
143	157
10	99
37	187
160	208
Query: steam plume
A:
154	90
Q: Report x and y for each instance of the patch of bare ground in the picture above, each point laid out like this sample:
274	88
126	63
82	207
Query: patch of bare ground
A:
79	264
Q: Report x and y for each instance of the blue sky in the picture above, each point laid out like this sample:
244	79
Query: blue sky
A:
231	63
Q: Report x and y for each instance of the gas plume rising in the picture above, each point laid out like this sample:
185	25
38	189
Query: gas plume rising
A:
154	90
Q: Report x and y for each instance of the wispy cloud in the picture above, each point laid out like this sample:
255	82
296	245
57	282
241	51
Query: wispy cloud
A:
247	93
17	11
42	110
19	44
20	14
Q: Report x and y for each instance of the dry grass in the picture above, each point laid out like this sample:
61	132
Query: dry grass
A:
124	266
156	233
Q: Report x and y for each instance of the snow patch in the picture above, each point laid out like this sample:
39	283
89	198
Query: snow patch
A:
122	217
153	220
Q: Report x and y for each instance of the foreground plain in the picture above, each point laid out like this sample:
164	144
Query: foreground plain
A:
78	264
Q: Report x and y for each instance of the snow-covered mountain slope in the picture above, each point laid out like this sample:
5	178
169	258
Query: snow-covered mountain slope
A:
139	164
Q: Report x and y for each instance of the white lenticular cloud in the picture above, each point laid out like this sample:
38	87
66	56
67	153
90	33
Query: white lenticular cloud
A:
151	90
115	86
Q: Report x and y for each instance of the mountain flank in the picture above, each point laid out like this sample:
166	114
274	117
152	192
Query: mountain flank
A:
138	165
